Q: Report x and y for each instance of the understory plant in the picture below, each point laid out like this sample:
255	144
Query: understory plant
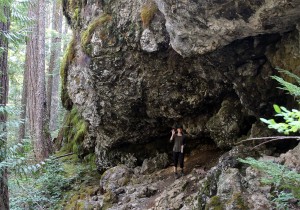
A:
39	191
290	118
285	182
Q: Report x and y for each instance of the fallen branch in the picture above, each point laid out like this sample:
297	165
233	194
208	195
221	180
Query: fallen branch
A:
268	140
65	155
270	137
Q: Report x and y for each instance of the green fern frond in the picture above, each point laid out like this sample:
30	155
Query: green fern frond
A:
290	74
292	89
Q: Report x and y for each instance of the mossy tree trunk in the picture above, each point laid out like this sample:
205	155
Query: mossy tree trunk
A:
4	27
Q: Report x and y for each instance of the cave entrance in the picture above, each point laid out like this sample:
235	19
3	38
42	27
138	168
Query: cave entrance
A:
199	152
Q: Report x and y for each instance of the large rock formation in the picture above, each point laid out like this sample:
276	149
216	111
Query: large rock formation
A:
135	68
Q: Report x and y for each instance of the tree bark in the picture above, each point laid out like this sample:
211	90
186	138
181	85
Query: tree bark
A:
22	127
36	79
4	27
53	78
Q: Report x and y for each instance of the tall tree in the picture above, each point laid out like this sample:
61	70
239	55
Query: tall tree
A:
4	28
53	78
24	98
36	83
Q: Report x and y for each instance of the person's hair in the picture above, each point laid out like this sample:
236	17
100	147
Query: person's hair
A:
181	130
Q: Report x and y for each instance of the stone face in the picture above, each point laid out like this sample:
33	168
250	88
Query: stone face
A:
197	27
199	63
225	127
115	178
291	158
158	162
148	42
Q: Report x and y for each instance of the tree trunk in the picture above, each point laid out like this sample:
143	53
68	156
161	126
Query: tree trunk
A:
53	78
4	27
22	128
36	80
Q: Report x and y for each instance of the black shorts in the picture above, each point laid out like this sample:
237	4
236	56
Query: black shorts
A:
178	156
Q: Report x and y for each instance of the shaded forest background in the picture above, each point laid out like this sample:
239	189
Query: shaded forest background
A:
33	36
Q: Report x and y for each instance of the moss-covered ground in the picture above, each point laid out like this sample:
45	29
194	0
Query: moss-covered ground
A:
85	181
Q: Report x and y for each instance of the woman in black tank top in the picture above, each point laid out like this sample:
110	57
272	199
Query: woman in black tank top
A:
178	155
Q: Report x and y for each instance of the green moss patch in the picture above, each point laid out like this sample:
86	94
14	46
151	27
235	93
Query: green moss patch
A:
148	11
87	34
74	131
85	183
67	60
214	204
71	9
238	202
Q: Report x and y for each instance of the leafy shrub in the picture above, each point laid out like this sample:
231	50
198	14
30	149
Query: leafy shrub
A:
291	122
291	118
41	190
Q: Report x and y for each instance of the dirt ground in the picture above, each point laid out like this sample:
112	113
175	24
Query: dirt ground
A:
200	159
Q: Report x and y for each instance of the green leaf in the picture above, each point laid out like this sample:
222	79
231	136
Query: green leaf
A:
277	108
265	120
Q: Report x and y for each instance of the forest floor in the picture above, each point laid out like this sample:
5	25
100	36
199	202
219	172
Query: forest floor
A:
86	186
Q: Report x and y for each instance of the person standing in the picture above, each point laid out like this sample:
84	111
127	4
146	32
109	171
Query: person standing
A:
178	148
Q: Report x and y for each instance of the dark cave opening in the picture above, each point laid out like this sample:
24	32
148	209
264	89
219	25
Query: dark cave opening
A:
163	144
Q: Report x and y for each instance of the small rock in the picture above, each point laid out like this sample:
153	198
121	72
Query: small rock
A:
148	42
95	198
119	191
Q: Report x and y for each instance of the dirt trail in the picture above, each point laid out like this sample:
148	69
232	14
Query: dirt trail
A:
201	160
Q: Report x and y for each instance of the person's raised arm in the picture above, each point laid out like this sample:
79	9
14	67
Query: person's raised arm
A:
173	134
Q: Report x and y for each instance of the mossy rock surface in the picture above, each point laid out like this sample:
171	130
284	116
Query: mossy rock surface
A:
214	204
75	129
148	11
237	202
71	9
87	34
67	60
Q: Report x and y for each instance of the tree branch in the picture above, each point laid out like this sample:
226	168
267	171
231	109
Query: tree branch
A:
65	155
269	139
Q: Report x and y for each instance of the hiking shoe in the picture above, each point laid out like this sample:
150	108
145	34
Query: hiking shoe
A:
176	175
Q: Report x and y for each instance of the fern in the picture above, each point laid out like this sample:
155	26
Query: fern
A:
16	162
286	182
13	157
292	89
18	14
291	118
297	79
